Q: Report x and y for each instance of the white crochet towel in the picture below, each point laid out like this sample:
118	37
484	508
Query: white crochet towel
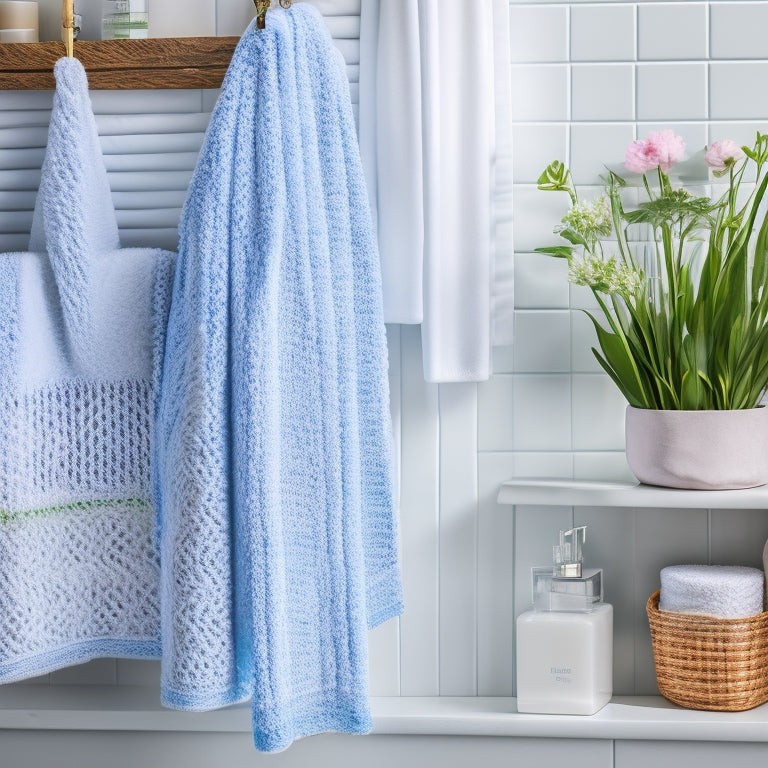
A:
81	330
724	591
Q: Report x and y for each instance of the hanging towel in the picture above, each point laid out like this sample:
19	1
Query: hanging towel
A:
274	463
80	332
435	134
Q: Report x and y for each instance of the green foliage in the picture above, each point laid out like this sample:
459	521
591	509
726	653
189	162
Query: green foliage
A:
686	326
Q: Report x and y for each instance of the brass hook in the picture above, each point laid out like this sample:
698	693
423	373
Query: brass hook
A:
262	6
68	26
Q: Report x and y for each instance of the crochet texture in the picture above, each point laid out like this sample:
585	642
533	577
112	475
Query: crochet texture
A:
274	471
81	333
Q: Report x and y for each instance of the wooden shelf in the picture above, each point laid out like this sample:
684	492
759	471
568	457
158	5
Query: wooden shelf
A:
182	62
588	493
135	708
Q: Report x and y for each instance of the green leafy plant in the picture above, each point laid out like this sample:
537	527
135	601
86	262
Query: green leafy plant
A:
686	324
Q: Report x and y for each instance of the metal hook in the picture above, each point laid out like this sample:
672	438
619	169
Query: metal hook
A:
262	6
68	26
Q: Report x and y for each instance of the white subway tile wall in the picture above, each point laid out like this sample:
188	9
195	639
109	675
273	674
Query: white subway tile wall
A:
631	67
588	76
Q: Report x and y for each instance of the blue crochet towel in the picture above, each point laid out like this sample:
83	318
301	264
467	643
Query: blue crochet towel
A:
81	332
273	466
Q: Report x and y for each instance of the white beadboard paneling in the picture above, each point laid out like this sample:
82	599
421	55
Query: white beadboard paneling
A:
595	146
142	200
210	96
25	100
737	30
97	672
458	539
350	50
150	238
542	341
737	536
337	7
16	222
503	359
22	117
495	413
152	144
662	537
603	33
130	124
609	540
158	102
541	412
16	200
140	181
344	27
670	31
536	530
541	282
539	92
672	91
23	137
536	215
419	522
598	413
602	92
534	147
732	95
161	218
538	33
14	242
25	180
384	641
139	672
495	579
384	658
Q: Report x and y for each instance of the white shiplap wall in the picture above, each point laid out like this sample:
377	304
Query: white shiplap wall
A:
587	78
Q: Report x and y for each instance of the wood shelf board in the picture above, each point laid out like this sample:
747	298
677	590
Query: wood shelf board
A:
588	493
184	62
137	708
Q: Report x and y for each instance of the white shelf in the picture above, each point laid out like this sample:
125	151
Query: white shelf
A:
588	493
134	708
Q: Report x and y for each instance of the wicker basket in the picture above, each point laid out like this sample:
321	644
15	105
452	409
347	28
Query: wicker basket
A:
703	662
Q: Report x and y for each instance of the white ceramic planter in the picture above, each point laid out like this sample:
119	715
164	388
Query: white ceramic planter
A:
709	450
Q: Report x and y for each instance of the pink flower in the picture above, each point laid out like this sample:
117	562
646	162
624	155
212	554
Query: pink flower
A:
661	148
668	146
722	154
641	157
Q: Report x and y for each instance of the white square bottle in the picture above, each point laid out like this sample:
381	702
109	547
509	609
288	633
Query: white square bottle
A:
565	643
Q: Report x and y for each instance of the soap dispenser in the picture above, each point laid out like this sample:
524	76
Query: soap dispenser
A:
565	642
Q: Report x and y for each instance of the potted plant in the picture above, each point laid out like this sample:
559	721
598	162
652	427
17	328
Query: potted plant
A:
684	326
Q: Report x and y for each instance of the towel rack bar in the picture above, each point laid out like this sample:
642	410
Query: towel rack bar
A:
184	62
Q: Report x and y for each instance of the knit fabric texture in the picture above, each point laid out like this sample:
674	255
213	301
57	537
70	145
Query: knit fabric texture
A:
81	332
274	473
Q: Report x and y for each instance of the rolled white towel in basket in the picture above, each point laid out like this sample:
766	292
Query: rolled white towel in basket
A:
723	591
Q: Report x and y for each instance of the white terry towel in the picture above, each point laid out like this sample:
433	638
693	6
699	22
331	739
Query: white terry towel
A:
724	591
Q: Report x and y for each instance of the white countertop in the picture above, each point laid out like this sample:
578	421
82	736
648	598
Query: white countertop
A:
136	708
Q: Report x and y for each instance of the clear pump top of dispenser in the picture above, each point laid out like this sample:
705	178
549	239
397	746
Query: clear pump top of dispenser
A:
566	585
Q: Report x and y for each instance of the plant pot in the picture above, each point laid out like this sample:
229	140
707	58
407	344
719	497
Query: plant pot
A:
708	450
